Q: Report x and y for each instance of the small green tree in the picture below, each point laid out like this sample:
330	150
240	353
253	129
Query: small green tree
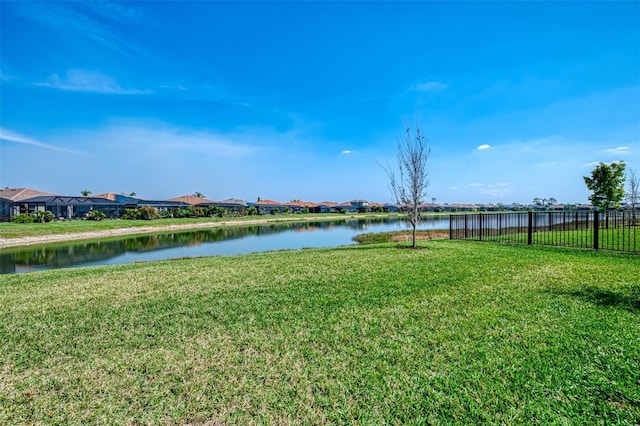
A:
85	192
607	184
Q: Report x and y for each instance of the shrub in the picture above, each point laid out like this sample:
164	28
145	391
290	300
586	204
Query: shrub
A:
22	218
96	215
216	211
148	213
131	214
166	214
251	211
42	216
199	211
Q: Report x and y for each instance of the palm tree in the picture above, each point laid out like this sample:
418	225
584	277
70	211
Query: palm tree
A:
198	194
85	193
433	200
132	194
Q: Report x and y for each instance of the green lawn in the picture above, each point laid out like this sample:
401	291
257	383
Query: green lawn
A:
16	230
619	239
458	332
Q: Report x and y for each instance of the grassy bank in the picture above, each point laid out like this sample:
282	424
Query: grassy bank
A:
18	230
459	332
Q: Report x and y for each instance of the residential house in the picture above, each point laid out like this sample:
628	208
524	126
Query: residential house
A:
298	206
269	207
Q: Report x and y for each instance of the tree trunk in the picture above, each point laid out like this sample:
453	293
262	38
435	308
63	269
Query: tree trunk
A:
414	235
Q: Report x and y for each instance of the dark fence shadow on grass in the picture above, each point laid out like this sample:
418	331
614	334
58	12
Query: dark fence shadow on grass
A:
597	296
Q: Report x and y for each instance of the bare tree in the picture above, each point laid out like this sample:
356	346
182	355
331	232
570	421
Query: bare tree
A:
633	193
409	182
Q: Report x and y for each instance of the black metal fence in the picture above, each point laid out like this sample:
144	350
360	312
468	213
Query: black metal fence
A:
614	230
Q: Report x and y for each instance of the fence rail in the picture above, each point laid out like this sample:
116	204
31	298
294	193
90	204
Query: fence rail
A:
618	231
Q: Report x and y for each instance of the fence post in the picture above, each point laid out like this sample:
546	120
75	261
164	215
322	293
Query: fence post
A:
451	227
530	229
596	229
480	217
465	226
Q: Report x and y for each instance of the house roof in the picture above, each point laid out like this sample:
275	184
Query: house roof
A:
18	194
192	199
108	195
301	204
328	203
262	203
115	195
232	201
64	200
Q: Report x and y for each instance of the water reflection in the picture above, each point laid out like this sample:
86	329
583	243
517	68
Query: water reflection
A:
207	242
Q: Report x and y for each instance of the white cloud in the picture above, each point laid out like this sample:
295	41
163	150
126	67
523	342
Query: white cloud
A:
168	140
496	193
595	163
10	136
453	188
430	87
619	150
483	147
476	184
88	81
347	152
71	18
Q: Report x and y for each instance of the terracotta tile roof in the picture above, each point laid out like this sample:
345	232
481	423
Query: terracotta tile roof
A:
301	204
327	203
191	199
108	195
268	203
17	194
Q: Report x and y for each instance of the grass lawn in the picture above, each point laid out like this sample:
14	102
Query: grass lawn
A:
17	230
458	332
620	239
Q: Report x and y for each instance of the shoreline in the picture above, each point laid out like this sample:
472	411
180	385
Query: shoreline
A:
121	232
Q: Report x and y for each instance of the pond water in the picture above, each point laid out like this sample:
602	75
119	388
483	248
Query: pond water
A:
207	242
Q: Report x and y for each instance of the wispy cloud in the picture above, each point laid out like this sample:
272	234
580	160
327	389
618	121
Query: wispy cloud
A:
347	152
69	17
88	81
430	87
618	150
166	140
476	184
496	193
483	147
10	136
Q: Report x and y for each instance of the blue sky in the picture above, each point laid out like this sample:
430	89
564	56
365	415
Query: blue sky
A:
301	100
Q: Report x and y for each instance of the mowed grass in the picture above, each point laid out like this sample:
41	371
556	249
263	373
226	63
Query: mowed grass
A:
458	332
17	230
618	239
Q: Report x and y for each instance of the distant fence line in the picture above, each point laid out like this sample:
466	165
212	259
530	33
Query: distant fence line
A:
613	230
